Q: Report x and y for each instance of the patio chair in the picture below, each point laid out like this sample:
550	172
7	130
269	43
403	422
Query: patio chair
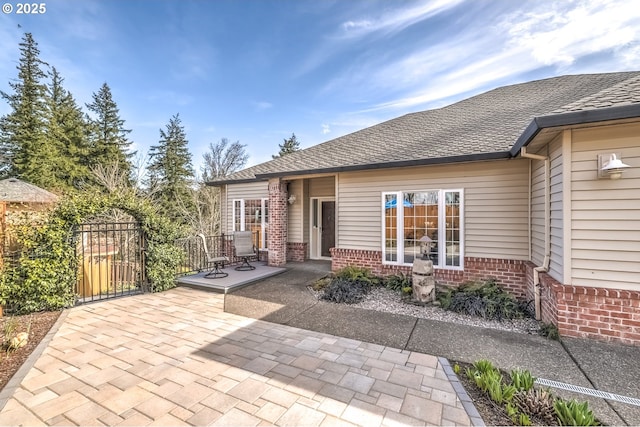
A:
215	272
244	248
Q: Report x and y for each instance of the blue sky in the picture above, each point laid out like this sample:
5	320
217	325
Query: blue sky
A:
257	71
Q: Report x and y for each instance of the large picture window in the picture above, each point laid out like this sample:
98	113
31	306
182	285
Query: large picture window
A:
252	215
423	224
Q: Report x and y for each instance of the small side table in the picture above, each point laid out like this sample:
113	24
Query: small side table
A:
263	255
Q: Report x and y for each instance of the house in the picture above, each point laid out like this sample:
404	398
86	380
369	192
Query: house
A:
517	183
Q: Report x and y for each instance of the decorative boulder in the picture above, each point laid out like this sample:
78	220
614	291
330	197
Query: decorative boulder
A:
424	284
19	340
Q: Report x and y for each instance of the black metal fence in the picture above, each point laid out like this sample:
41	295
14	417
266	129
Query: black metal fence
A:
195	259
111	260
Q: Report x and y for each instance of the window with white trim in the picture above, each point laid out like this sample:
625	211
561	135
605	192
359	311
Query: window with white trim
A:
423	224
252	215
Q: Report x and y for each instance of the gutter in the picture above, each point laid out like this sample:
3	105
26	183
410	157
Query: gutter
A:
547	227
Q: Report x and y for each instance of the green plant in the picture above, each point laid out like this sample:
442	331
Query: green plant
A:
320	284
550	331
407	290
523	420
397	282
357	274
10	327
573	413
499	392
522	380
47	268
483	299
483	365
516	416
456	369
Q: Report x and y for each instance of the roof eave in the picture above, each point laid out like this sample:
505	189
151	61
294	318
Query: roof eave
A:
388	165
573	118
232	181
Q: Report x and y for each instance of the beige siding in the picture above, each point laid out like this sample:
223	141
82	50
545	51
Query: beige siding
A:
556	260
322	187
305	212
537	210
295	214
495	204
605	217
247	191
554	151
224	217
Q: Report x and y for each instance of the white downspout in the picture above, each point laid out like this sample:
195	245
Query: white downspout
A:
547	227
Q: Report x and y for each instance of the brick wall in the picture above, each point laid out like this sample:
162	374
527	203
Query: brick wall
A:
297	251
603	314
510	274
277	237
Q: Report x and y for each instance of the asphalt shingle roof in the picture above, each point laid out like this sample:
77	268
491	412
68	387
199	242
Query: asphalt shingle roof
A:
487	123
14	190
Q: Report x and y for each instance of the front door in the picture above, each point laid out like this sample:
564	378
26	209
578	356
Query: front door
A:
323	227
328	232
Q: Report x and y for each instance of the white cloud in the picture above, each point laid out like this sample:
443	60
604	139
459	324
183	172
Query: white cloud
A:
566	31
261	105
519	42
350	33
326	129
396	20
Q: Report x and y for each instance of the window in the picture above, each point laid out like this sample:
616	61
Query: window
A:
424	224
252	215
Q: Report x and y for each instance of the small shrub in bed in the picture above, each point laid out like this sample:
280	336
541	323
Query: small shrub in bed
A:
483	299
346	291
357	274
397	282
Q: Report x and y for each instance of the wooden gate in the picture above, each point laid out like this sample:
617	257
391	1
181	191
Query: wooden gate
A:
111	260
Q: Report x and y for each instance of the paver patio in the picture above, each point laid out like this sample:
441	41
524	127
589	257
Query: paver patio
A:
176	358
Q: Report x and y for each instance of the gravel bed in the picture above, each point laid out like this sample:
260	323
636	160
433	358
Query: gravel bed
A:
382	299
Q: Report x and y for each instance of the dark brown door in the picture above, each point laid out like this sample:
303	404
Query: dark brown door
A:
328	227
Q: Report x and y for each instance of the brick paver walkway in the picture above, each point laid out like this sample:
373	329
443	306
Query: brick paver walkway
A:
176	358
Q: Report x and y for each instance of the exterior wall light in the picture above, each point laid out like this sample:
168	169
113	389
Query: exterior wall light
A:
610	166
292	199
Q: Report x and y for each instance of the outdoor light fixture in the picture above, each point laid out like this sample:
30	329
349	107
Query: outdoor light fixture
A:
609	165
292	199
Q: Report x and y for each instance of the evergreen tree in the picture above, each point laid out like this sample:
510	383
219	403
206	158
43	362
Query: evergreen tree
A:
288	146
107	136
170	171
66	131
25	148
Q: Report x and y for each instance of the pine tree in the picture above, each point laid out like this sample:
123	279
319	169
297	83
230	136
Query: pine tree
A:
107	136
66	131
170	170
25	148
288	146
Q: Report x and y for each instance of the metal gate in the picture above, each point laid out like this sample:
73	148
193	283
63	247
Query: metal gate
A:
111	260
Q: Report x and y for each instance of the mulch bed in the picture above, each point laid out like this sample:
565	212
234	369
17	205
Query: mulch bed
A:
37	324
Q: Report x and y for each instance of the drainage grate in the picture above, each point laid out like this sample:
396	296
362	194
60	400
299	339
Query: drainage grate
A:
589	391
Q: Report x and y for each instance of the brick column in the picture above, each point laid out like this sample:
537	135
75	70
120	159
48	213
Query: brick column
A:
277	239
